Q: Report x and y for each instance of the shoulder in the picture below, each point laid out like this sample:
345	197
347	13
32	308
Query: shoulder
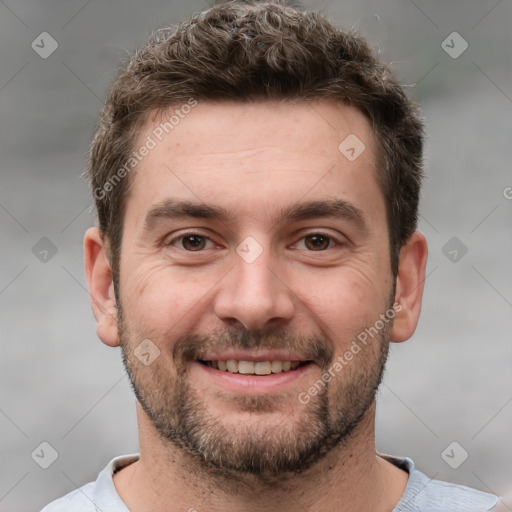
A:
95	496
428	495
79	500
454	498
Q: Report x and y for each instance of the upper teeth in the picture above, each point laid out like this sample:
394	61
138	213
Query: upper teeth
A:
253	367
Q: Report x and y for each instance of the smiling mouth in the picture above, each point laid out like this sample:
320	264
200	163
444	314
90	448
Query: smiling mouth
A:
254	367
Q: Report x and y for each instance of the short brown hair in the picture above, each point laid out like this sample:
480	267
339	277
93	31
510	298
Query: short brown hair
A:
257	51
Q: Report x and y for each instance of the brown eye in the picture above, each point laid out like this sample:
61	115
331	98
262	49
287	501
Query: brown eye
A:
317	242
193	242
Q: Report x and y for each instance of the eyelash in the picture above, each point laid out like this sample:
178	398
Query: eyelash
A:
190	234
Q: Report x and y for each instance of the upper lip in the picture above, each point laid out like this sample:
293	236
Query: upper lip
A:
258	355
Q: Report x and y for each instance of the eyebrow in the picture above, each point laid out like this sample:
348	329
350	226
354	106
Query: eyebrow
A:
172	209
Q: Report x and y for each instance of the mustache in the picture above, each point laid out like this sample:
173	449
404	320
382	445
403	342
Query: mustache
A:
193	347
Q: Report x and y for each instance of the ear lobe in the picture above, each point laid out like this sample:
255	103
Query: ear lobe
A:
101	287
409	287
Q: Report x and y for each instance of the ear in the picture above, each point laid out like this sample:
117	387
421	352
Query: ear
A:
101	287
409	287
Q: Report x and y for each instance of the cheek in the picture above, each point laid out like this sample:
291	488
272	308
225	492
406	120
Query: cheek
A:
343	302
158	300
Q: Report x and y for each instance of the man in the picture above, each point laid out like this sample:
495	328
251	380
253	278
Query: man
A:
256	174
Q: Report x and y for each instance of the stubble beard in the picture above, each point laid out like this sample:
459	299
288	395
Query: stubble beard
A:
305	436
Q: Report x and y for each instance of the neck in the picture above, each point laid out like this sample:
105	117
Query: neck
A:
349	478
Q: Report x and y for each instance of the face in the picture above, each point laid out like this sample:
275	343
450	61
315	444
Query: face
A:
255	252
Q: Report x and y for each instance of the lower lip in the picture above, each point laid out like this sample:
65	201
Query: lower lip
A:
254	384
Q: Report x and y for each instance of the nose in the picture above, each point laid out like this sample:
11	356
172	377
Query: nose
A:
254	295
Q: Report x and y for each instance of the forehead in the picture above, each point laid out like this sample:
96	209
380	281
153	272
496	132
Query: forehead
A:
254	156
229	127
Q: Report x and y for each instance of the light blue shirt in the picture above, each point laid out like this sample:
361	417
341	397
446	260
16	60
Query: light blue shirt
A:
422	494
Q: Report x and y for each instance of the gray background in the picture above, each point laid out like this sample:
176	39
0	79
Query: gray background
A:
451	382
